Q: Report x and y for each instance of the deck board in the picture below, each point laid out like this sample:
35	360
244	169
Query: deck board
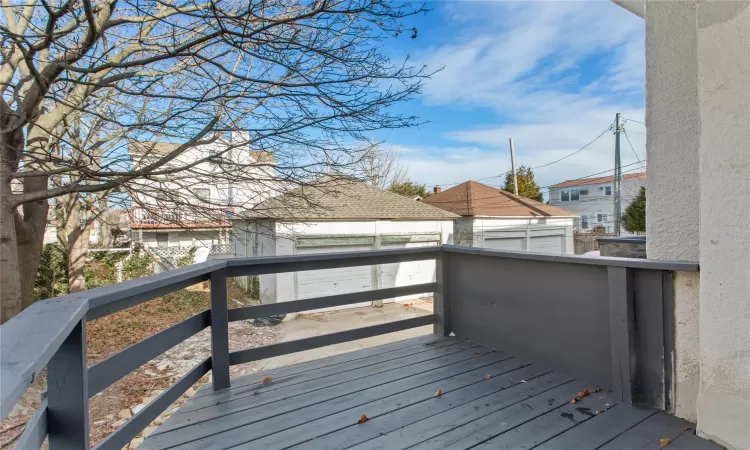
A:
487	398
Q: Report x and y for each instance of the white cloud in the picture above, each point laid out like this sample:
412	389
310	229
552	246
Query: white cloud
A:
513	60
528	61
535	145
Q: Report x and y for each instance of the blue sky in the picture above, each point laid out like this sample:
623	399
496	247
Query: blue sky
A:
551	74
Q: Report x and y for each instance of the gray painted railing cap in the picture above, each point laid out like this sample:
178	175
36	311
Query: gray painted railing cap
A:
633	263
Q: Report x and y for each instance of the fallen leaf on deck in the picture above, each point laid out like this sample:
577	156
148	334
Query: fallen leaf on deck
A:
438	393
476	355
267	379
686	429
487	377
584	393
362	419
256	393
664	442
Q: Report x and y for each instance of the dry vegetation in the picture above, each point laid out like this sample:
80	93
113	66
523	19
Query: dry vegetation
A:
111	334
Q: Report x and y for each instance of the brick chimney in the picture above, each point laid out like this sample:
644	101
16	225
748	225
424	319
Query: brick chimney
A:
436	190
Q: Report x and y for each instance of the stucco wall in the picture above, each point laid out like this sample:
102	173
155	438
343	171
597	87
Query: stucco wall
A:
698	143
724	79
673	203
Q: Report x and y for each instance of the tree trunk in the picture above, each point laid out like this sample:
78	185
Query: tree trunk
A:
10	292
30	233
21	238
78	244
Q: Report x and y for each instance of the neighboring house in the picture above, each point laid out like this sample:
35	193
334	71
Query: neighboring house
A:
341	216
112	231
493	218
593	199
194	210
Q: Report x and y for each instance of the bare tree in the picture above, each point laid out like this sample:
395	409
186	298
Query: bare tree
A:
381	166
83	80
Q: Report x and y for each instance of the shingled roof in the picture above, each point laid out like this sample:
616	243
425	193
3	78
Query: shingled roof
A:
477	199
339	198
609	179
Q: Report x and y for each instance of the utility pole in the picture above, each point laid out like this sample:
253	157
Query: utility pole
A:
513	165
618	175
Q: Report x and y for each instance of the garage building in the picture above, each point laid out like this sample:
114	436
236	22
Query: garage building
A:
493	218
341	216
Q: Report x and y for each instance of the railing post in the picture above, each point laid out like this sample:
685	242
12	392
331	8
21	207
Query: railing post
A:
67	393
441	299
622	331
219	330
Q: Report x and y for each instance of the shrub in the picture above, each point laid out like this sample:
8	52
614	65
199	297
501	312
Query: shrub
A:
52	276
187	259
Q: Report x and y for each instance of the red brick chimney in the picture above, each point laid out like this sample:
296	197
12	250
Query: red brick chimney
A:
436	190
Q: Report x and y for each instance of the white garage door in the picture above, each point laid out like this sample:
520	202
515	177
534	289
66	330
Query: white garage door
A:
515	243
547	244
407	273
321	283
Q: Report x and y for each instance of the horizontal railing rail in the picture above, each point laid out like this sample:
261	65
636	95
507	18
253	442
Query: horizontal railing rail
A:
633	263
52	333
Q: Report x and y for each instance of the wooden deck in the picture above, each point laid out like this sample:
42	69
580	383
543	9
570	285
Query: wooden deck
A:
423	393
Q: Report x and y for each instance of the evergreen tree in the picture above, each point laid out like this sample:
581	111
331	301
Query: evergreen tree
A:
409	188
634	217
527	186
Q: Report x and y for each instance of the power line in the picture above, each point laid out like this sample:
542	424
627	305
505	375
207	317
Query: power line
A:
632	148
597	180
579	150
537	167
636	121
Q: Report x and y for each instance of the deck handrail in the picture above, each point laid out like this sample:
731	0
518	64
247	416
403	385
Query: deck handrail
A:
52	333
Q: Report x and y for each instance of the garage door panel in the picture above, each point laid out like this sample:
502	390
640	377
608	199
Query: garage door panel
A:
513	244
407	273
344	280
547	244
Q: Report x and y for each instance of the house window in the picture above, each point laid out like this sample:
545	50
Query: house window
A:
584	192
213	156
565	196
584	221
203	194
575	194
601	218
607	190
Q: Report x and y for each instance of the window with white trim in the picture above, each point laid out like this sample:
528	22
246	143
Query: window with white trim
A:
607	190
575	194
564	196
585	219
601	217
203	194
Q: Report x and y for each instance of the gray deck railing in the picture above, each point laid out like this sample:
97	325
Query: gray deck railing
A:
52	334
478	294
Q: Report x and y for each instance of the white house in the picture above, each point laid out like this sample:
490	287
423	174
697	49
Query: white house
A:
593	201
193	207
340	215
493	218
